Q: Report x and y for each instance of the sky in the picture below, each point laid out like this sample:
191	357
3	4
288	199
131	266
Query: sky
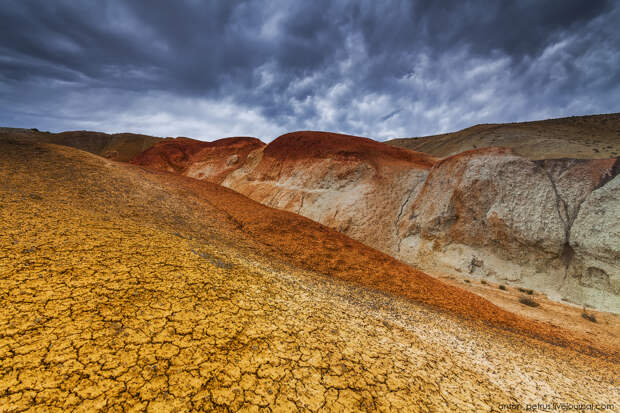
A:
381	69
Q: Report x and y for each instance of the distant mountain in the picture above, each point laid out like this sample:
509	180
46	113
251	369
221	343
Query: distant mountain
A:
119	146
583	137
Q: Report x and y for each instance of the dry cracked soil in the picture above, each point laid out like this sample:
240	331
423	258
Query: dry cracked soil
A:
123	289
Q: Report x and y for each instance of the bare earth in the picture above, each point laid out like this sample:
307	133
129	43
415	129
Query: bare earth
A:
129	290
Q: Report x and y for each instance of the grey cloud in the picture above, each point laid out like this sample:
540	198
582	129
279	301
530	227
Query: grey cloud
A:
380	69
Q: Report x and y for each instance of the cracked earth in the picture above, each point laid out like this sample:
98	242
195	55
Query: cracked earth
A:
119	294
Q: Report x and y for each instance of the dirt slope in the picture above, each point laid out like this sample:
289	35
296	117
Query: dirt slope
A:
584	137
119	146
124	289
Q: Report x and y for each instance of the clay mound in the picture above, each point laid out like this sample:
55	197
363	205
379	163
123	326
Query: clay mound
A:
300	171
320	145
336	180
118	147
584	137
211	161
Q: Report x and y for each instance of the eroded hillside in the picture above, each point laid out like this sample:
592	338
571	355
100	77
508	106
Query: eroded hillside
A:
551	225
126	289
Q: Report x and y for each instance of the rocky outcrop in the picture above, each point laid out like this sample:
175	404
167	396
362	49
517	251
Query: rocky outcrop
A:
486	213
478	201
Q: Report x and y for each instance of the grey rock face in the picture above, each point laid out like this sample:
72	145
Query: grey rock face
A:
490	213
595	239
489	199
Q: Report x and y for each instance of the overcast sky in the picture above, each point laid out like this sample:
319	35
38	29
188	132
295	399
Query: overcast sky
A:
381	69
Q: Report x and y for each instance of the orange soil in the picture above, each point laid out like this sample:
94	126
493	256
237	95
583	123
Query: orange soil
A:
126	289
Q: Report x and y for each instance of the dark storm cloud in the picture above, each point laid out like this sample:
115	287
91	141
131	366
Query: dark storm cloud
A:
381	69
